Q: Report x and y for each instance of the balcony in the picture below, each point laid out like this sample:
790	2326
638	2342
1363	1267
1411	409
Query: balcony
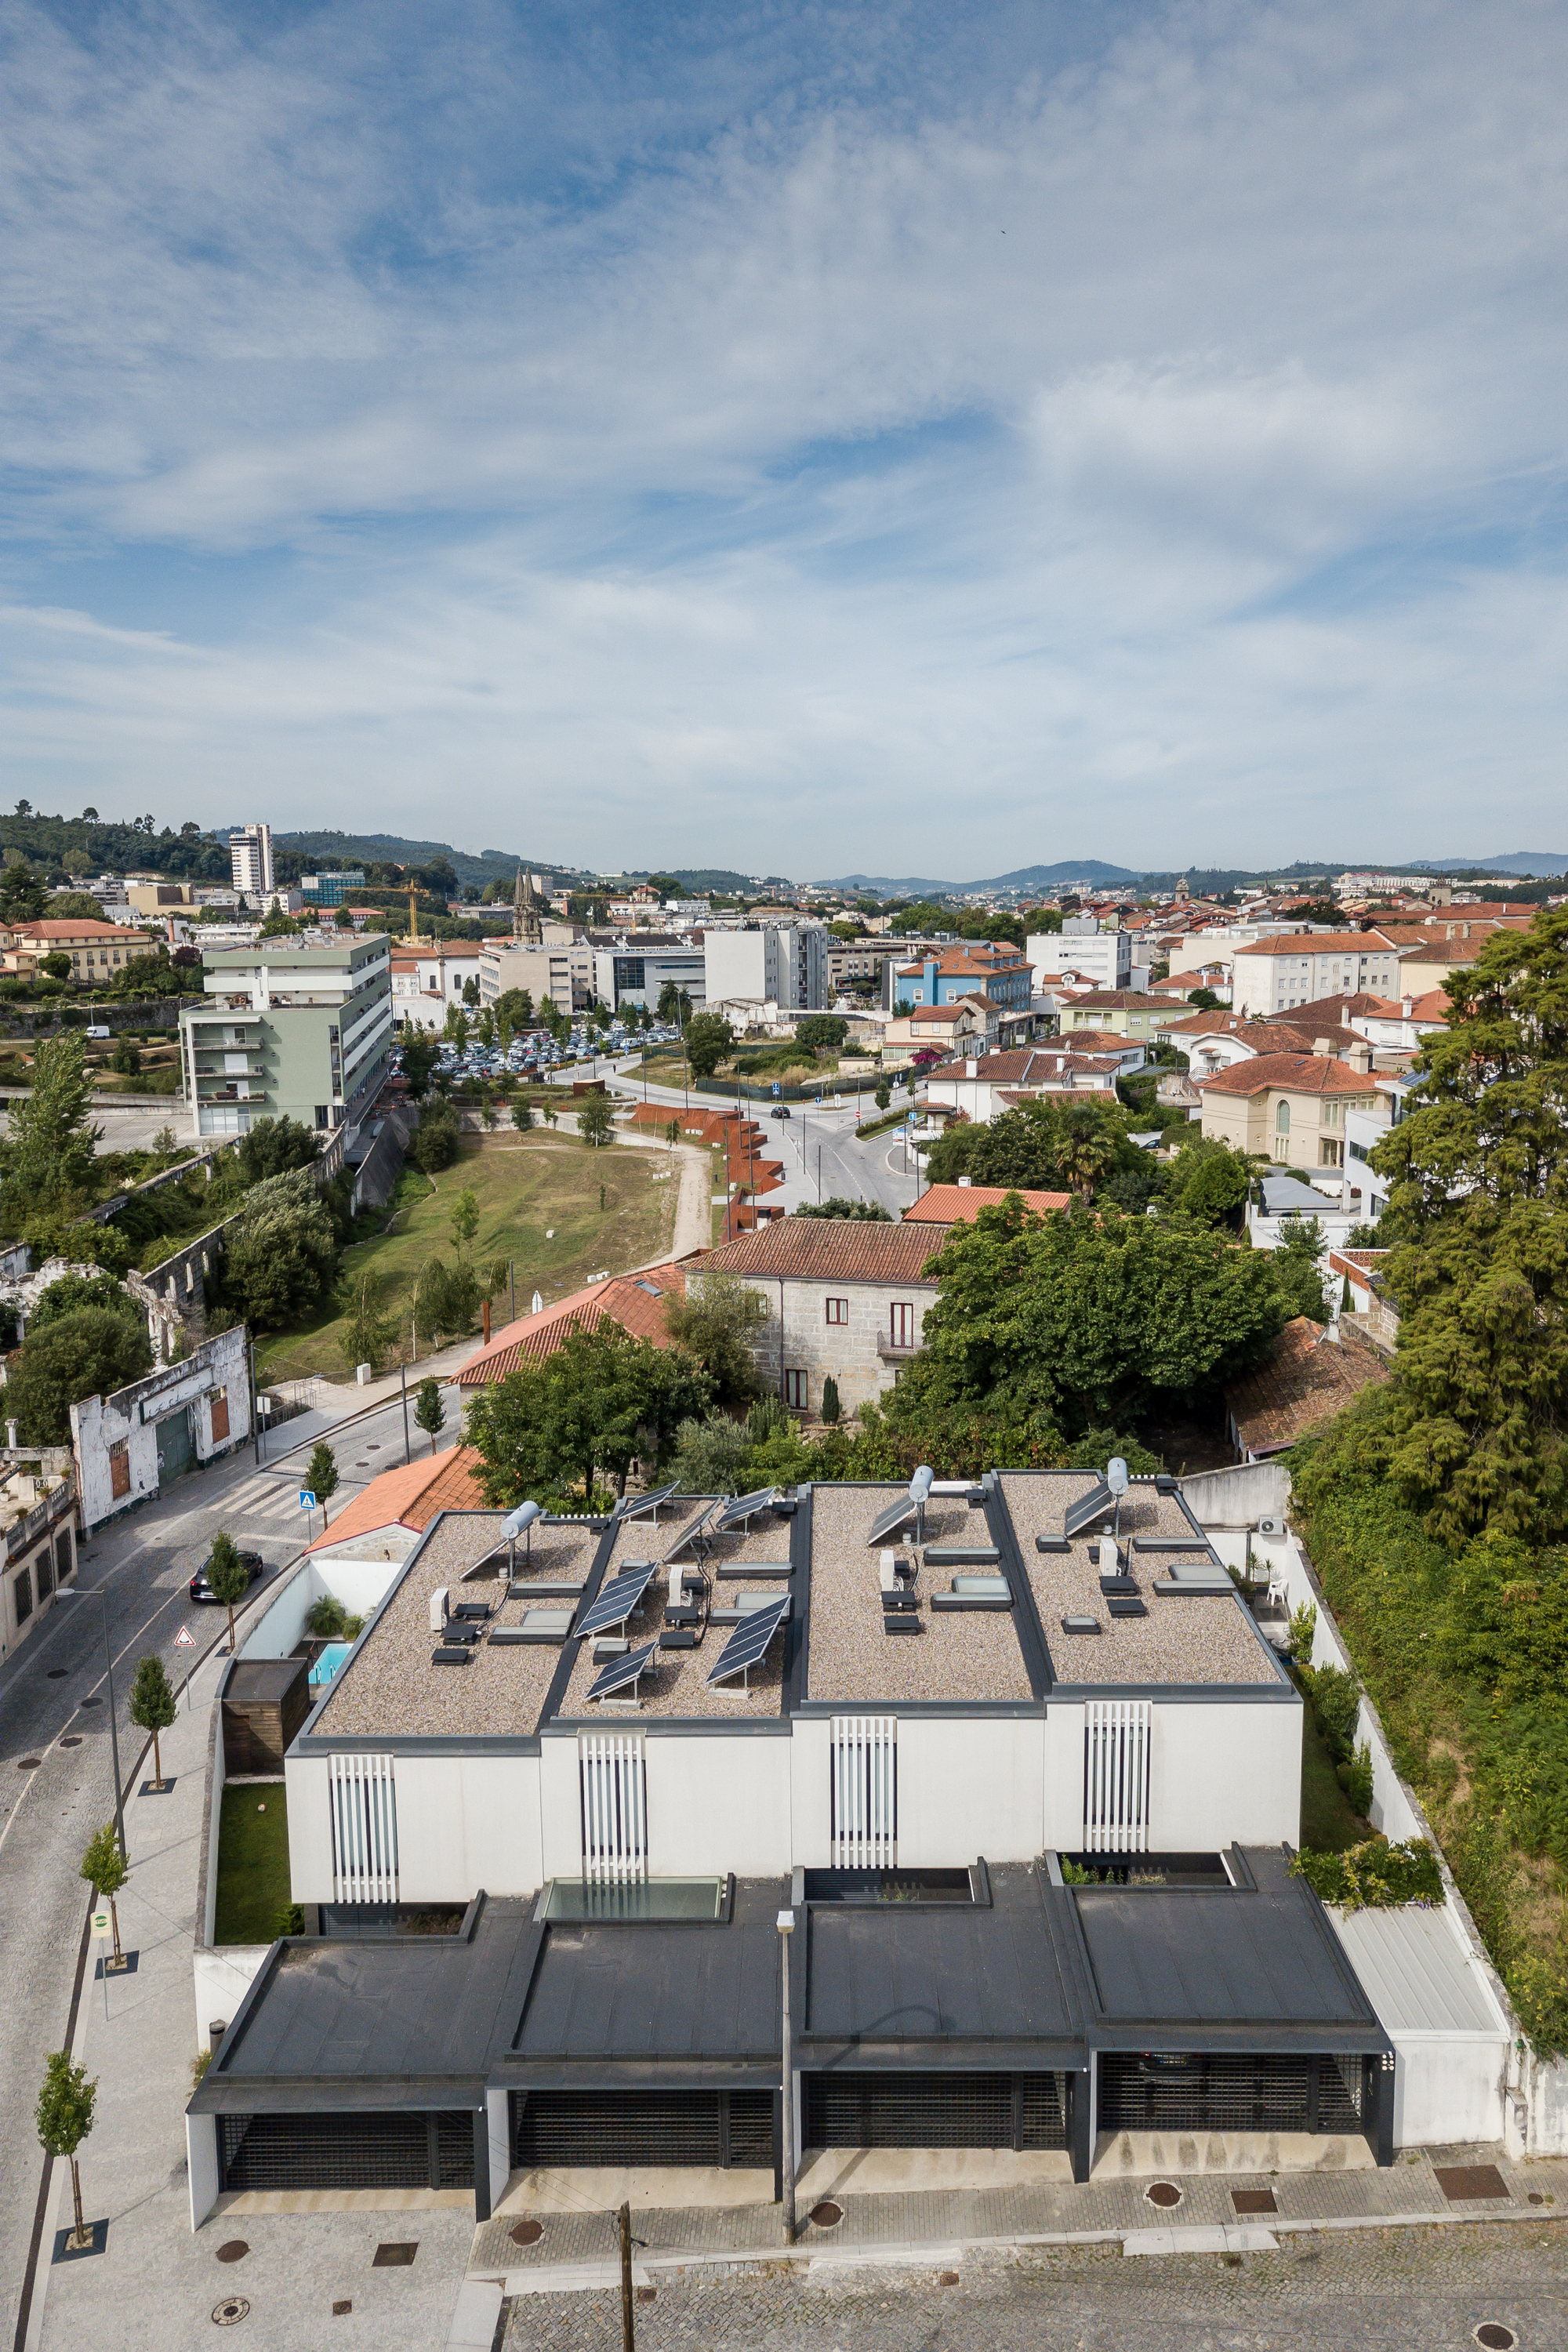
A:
897	1352
23	1531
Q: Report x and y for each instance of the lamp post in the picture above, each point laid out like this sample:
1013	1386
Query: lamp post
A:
787	1928
95	1592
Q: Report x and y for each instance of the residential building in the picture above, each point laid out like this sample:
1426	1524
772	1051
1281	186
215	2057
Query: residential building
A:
637	970
407	1498
981	1086
861	963
1218	1041
786	964
1280	1202
1278	973
1289	1108
545	972
250	857
968	1025
1000	974
159	897
1366	1124
331	889
843	1297
38	1535
1312	1372
97	951
961	1203
1101	951
1217	945
1124	1011
291	1028
129	1444
634	1301
426	980
1399	1024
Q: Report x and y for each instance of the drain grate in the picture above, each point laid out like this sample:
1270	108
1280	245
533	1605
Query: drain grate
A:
1163	2194
341	2308
397	2254
1254	2200
1464	2184
527	2233
31	1764
230	2311
235	2250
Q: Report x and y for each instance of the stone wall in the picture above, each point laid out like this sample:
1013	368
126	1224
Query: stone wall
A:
857	1353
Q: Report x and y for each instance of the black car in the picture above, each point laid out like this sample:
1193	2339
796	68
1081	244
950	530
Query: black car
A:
780	1110
252	1563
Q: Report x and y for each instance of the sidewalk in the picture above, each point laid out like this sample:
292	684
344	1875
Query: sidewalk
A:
156	2282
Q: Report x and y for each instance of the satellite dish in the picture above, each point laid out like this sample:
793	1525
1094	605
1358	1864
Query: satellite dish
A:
1116	1475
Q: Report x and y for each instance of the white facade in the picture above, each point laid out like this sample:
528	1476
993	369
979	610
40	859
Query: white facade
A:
1221	944
250	857
426	980
1103	955
1315	965
782	964
545	972
637	972
186	1414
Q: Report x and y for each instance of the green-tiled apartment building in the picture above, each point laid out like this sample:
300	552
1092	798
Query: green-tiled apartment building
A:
289	1028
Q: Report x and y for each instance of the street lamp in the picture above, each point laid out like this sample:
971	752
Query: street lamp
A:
786	1929
95	1592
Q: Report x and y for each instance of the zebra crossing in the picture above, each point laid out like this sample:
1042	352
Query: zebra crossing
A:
276	1500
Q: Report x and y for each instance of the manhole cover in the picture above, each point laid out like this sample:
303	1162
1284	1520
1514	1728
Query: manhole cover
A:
646	2294
230	2311
71	1739
397	2255
91	1700
341	2309
234	2251
527	2233
1162	2193
1537	2199
1495	2335
31	1764
58	1674
1254	2200
1464	2184
828	2215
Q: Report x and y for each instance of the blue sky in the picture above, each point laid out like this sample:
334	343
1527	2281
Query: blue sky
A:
809	438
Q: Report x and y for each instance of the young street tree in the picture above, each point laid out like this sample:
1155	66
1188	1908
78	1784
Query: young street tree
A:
106	1870
428	1409
321	1475
64	2119
709	1038
595	1119
368	1332
228	1576
152	1706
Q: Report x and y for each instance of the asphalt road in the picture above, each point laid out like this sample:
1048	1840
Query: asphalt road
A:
56	1777
1413	2290
850	1169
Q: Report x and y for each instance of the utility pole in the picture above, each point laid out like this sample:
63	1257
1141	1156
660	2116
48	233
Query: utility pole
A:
787	1928
629	2324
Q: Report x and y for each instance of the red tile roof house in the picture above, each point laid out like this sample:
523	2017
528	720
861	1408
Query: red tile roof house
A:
961	1203
975	1087
95	948
1305	1380
409	1496
1289	1107
844	1297
635	1301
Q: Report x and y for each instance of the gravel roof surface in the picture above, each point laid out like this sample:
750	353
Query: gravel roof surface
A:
966	1654
1188	1640
390	1685
677	1684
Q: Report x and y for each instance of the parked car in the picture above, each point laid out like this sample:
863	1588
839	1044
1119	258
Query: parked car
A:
252	1563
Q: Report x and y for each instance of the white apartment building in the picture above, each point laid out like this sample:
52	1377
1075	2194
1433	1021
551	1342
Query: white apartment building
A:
545	972
786	964
1103	951
1222	943
424	981
250	857
636	971
1277	973
291	1027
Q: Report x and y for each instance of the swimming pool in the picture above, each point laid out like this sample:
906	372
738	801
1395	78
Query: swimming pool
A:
327	1664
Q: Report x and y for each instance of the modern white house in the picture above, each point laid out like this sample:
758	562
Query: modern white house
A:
1100	949
779	963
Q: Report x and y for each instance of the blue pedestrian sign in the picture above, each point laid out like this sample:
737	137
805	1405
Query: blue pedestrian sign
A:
307	1500
777	1088
914	1119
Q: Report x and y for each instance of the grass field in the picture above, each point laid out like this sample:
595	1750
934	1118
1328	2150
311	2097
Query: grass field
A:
1329	1821
526	1187
252	1864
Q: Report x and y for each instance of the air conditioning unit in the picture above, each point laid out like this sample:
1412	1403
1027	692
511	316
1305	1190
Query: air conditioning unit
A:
438	1608
1270	1527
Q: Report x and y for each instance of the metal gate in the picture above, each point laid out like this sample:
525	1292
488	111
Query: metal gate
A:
428	2150
176	1452
1195	2092
947	2110
552	2129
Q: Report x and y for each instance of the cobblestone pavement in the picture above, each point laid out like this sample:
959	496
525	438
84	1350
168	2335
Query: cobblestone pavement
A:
1412	2290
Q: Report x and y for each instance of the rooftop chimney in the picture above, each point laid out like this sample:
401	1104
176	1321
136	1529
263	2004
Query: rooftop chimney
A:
966	1179
1360	1057
972	1069
1323	1046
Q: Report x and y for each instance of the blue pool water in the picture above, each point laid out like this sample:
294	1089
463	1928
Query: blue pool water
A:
327	1664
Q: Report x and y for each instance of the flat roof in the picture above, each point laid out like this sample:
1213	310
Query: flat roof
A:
971	1654
389	1687
1419	1978
1192	1638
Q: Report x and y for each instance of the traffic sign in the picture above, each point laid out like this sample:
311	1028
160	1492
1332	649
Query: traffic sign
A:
777	1088
185	1639
307	1500
914	1119
102	1925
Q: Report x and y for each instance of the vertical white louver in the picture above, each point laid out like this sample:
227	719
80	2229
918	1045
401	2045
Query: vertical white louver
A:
864	1817
1116	1737
613	1782
364	1828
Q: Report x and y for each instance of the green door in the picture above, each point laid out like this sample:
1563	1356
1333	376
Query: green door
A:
175	1453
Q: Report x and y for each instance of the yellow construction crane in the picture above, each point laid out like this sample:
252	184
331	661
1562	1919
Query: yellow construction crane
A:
413	926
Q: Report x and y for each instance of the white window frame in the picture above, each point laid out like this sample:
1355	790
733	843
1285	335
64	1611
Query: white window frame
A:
1118	1735
363	1801
612	1784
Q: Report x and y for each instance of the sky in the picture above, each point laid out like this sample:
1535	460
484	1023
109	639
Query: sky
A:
814	439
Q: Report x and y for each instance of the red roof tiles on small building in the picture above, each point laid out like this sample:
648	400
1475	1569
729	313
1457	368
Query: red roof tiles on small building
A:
827	1249
410	1496
635	1301
954	1205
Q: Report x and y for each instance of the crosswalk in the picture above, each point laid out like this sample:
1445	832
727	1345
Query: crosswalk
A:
273	1501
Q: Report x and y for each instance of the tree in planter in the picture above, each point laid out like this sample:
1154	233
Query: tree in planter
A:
883	1096
228	1576
521	1115
321	1475
152	1706
595	1120
64	2118
830	1405
106	1870
429	1412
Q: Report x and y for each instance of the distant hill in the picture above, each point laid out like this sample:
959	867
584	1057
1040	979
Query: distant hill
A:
332	850
1024	877
1517	861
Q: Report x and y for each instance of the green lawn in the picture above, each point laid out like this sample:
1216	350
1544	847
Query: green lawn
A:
528	1188
1329	1821
252	1864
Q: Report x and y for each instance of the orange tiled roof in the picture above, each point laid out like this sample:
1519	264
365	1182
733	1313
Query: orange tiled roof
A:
1302	1383
955	1204
77	928
828	1249
411	1496
635	1301
1308	943
1300	1073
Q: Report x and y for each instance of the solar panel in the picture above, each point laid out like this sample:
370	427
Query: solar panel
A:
743	1507
619	1598
697	1525
632	1507
1088	1509
620	1671
896	1515
748	1644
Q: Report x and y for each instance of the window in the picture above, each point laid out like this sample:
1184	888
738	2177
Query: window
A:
119	1470
63	1557
45	1565
795	1392
901	1331
23	1591
863	1792
363	1795
838	1310
1282	1117
1328	1152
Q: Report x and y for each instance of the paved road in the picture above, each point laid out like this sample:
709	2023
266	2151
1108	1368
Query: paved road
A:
850	1169
1380	2291
56	1778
